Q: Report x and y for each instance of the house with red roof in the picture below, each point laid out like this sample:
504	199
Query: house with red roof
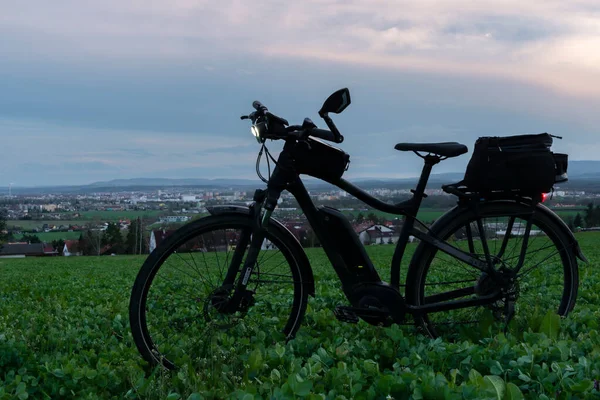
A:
21	250
71	248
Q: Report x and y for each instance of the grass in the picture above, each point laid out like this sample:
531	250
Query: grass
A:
110	216
29	225
91	217
48	237
64	333
425	214
428	215
568	213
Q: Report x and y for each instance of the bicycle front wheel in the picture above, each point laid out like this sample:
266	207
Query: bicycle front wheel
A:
546	279
178	310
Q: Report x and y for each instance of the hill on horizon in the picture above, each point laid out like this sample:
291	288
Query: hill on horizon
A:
584	173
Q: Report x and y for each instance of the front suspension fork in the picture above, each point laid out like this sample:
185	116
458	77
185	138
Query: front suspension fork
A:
255	238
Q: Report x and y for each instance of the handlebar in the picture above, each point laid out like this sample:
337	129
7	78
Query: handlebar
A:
300	132
323	134
295	131
258	106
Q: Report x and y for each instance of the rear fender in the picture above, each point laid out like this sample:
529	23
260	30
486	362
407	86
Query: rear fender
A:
455	212
280	230
565	229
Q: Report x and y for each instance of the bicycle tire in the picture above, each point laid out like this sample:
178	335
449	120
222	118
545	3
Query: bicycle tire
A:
449	229
157	260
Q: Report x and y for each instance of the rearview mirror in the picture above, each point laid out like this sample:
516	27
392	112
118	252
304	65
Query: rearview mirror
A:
336	103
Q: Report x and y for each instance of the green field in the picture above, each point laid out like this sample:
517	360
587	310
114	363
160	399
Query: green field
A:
569	213
431	214
108	216
48	237
89	217
64	333
425	214
29	225
93	217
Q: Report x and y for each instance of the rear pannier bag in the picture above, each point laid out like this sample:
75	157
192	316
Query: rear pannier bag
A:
316	158
523	162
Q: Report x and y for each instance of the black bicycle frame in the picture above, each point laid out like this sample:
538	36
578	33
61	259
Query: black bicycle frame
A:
351	263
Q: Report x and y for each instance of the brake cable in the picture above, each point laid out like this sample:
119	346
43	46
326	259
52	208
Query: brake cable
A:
260	153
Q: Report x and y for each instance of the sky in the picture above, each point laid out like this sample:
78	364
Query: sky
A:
99	90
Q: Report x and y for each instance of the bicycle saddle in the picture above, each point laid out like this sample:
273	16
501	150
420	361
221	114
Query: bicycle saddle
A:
445	149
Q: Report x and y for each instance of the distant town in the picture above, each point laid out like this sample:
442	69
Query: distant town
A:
124	221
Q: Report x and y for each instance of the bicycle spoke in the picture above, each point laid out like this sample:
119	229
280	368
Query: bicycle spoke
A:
535	266
448	279
216	249
506	237
188	309
275	267
208	288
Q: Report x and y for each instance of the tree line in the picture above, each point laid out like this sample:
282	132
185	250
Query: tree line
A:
113	241
589	219
92	242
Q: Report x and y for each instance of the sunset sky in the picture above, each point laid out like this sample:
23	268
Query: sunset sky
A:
100	90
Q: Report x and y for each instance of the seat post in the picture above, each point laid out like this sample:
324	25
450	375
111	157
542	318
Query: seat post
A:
430	161
411	216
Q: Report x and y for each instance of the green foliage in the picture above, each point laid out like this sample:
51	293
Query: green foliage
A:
90	243
578	221
550	325
58	245
373	218
64	333
30	239
360	218
591	215
135	242
112	236
48	237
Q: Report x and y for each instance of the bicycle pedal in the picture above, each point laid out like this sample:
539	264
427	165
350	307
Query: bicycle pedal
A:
345	314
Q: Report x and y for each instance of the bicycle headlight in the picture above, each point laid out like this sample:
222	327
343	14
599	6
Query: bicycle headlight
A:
258	130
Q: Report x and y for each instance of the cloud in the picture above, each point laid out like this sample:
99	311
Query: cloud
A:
551	43
155	88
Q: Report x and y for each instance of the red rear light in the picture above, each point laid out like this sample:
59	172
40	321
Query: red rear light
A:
545	196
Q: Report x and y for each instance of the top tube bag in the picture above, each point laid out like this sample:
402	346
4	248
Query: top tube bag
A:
316	158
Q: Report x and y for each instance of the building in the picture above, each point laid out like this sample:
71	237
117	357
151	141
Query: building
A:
157	236
21	250
378	234
71	248
175	218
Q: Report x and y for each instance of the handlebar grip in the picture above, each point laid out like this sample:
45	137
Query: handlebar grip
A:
322	134
258	106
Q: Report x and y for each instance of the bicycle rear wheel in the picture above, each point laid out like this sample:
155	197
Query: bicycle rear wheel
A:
178	310
547	279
